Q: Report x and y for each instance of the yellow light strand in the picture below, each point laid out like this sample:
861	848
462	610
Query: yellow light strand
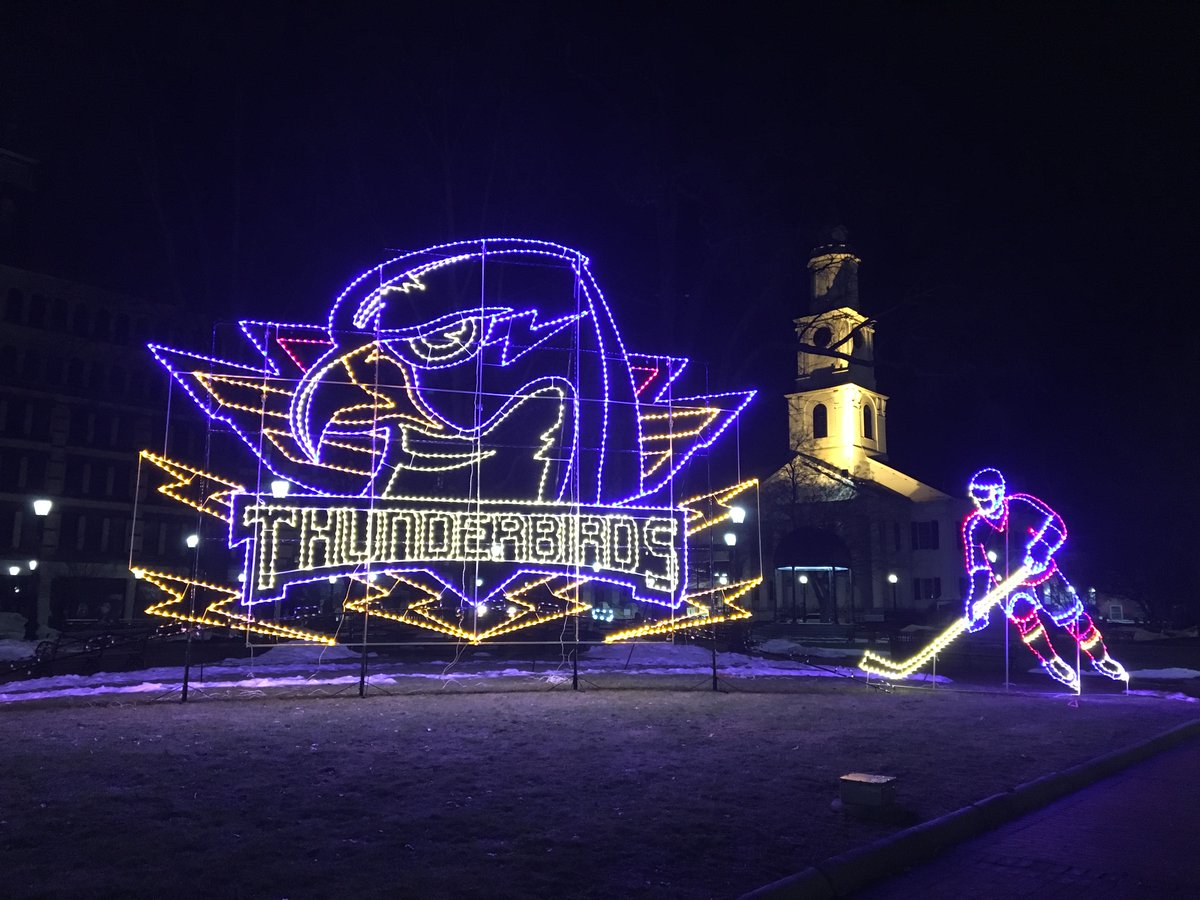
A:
697	522
185	477
875	664
215	613
701	618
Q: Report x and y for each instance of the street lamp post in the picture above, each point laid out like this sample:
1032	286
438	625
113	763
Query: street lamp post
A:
892	579
42	507
803	600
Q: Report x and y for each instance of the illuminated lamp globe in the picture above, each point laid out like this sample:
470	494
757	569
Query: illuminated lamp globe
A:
193	540
737	515
14	570
892	578
804	579
280	487
42	506
33	565
730	539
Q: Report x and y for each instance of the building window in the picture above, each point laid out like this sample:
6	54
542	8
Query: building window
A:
14	308
75	372
80	321
820	421
896	536
925	535
102	325
31	365
868	422
927	588
37	310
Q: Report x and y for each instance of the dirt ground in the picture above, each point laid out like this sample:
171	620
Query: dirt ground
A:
670	792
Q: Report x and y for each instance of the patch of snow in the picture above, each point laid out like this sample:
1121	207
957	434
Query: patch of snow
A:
297	665
786	646
11	649
1165	674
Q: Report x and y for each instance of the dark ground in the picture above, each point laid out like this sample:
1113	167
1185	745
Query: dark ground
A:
602	793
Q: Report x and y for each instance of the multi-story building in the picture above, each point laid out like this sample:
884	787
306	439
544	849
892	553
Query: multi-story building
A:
849	537
79	397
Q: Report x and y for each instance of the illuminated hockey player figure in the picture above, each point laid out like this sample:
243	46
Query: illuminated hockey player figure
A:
1010	530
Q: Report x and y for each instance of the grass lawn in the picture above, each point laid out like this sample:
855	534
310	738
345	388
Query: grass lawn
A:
545	793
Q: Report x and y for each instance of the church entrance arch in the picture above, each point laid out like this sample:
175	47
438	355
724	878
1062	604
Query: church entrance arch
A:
812	577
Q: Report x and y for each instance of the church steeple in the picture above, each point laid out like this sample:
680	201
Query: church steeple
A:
834	271
836	413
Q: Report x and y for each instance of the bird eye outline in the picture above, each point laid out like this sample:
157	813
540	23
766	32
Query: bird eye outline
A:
448	345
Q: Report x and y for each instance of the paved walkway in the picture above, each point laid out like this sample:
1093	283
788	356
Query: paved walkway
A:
1135	834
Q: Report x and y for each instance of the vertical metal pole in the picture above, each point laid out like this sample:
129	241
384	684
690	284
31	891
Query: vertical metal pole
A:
714	657
575	658
362	672
187	650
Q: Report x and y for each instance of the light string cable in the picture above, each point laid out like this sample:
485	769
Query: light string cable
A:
475	480
137	491
371	482
203	489
258	479
576	498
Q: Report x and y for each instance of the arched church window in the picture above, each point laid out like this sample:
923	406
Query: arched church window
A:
868	422
822	336
820	421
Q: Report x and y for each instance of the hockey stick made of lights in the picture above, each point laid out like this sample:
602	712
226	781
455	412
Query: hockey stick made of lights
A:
874	664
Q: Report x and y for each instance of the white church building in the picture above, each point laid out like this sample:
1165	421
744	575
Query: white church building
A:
846	537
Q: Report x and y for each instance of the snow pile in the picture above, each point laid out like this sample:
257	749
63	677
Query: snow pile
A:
300	665
12	629
788	647
11	649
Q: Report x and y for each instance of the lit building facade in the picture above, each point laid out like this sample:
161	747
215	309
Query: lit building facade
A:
79	396
850	538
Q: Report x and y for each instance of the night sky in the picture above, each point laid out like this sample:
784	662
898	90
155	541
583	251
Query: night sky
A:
1019	180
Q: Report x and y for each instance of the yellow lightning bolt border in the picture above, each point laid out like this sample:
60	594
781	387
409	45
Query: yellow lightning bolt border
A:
701	614
719	504
216	503
215	612
420	614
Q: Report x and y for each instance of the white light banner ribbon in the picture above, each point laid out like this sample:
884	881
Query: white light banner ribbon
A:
296	540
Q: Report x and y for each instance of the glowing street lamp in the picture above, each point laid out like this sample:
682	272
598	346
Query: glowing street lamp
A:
42	506
737	515
14	570
280	487
892	579
803	599
730	539
193	540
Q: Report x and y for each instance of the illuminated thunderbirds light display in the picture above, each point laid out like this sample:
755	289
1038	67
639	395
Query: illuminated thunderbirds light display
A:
465	446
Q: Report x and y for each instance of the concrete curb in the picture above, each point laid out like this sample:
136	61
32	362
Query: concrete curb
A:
842	875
